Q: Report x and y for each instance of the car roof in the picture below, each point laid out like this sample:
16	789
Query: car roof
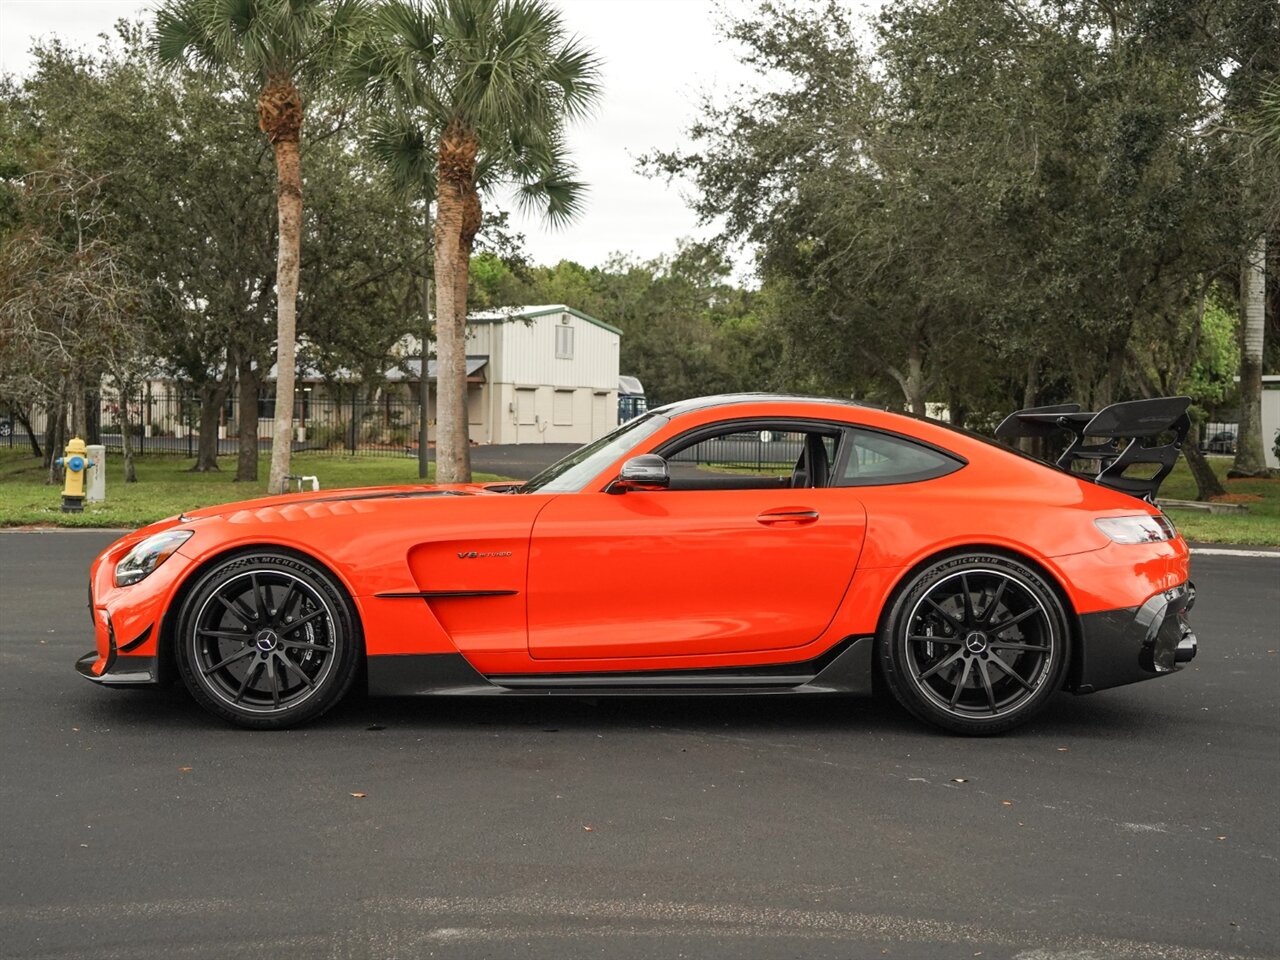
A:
694	404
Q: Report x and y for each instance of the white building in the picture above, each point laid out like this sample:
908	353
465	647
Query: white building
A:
540	374
1270	418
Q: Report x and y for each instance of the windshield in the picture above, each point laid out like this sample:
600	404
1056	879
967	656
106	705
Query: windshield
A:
574	471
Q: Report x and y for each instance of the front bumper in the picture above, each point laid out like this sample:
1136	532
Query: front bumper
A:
123	671
1135	643
113	666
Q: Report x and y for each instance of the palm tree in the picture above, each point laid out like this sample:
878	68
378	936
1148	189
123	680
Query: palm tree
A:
491	83
1250	460
278	46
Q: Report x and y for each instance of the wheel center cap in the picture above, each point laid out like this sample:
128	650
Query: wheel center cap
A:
266	640
975	641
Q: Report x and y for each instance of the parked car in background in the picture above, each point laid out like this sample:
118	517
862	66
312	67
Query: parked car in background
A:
1222	441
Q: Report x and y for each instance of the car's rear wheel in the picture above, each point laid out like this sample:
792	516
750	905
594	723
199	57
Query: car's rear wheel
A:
267	641
976	644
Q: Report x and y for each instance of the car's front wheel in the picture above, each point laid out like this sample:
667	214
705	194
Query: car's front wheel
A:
267	641
976	644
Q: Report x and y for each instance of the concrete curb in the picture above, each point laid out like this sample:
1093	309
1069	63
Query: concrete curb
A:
1235	552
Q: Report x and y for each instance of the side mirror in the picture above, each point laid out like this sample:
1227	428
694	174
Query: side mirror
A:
645	472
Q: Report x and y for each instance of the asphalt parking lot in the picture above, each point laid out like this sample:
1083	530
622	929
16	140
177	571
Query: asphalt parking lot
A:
1141	822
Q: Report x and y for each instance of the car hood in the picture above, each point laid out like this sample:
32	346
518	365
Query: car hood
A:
296	506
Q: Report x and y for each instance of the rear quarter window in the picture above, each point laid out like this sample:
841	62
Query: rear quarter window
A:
873	459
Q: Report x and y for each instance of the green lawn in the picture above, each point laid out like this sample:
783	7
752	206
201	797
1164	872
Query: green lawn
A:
167	486
1260	526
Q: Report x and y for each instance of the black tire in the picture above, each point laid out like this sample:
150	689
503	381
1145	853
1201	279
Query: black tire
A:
6	428
976	644
267	641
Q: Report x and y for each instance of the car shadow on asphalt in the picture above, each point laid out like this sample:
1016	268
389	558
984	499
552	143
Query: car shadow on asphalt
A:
874	716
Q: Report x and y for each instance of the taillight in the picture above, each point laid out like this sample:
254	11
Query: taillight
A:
1143	528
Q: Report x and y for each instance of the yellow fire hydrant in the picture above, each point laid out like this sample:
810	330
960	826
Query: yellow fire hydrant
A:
76	461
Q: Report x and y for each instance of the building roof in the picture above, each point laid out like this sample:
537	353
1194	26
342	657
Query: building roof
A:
507	314
410	369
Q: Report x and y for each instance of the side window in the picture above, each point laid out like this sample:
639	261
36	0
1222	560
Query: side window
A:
880	458
750	457
753	453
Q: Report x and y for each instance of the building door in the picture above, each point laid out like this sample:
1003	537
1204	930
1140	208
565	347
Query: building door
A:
600	423
526	415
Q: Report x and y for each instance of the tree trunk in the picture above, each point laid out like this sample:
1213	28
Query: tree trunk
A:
78	423
914	388
280	117
471	218
56	436
247	390
21	417
1030	396
1207	483
1250	456
455	170
126	434
424	387
93	414
213	393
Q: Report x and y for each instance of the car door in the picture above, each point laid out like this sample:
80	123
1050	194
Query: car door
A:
690	572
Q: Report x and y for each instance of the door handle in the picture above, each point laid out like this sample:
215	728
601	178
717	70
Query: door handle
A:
791	517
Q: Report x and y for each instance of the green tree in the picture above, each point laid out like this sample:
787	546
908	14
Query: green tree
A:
277	46
188	193
489	85
68	303
980	207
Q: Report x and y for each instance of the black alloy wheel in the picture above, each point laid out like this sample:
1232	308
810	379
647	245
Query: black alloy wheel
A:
267	641
975	644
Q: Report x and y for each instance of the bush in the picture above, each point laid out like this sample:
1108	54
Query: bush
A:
326	435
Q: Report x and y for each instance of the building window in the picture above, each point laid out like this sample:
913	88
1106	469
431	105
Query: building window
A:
562	408
564	343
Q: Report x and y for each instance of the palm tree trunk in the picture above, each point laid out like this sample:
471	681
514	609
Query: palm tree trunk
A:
424	387
280	117
455	172
471	217
1250	457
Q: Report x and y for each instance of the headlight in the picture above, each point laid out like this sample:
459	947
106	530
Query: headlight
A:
149	554
1142	529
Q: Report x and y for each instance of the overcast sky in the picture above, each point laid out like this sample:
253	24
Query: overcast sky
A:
659	56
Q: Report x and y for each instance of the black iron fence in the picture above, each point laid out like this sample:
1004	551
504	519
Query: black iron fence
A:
361	423
355	421
758	450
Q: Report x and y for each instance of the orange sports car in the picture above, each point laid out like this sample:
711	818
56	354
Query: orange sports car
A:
742	544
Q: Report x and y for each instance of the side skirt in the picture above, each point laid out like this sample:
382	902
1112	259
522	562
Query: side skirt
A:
844	669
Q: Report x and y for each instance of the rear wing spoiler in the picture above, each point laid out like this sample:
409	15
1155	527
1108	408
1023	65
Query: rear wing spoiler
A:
1112	441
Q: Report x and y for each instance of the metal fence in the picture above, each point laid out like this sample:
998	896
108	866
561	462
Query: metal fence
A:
362	423
758	450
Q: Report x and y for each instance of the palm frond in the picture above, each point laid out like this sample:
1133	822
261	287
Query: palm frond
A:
180	37
504	69
404	148
547	181
1268	125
